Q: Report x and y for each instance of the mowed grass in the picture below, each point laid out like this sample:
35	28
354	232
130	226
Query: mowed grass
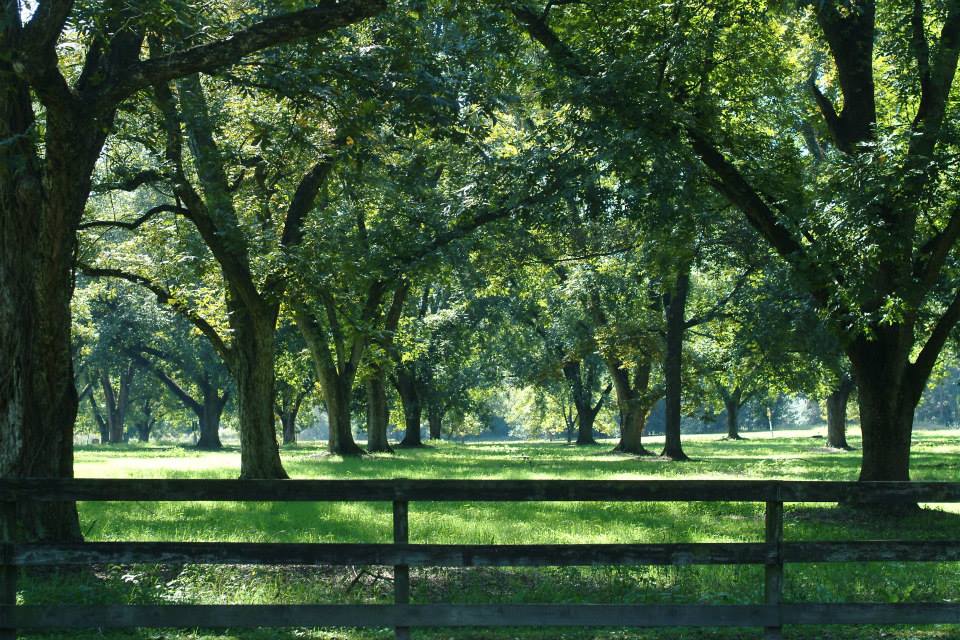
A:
797	457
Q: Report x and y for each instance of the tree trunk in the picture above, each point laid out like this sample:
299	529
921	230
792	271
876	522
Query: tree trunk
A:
377	413
336	393
582	401
435	420
253	372
41	203
288	413
732	403
887	395
406	385
634	405
733	422
673	365
288	424
146	425
837	414
209	419
117	403
98	418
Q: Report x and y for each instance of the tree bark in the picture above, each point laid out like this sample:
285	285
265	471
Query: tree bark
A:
887	395
732	403
634	401
580	390
117	401
41	202
435	419
406	384
145	426
837	414
675	308
336	393
253	372
209	418
377	412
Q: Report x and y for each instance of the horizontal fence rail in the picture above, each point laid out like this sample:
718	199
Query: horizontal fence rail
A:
403	616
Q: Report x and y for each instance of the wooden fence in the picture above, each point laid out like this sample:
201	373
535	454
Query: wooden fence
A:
772	553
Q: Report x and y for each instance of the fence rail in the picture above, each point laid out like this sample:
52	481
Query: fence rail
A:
772	553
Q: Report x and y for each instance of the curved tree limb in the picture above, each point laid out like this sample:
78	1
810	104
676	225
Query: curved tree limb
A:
165	297
290	27
148	215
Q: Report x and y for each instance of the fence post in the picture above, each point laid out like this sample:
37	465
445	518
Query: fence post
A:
773	571
401	572
8	571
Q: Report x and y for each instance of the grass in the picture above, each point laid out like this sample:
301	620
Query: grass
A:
797	457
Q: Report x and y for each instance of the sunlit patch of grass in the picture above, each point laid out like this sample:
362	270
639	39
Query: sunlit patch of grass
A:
798	456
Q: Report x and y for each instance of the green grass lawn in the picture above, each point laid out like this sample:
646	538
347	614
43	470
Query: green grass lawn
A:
800	457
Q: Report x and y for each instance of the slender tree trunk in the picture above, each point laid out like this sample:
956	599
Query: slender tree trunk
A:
102	425
209	419
104	430
406	384
435	420
146	425
673	365
377	412
253	372
837	414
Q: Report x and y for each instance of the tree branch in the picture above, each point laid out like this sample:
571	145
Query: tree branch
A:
131	182
933	254
919	370
936	78
44	28
268	32
168	381
165	297
133	224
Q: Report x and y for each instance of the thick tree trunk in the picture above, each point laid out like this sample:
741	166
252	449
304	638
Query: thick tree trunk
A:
209	419
39	210
886	402
253	372
377	412
732	403
582	401
336	393
888	390
837	414
631	432
409	394
117	402
733	420
634	404
673	366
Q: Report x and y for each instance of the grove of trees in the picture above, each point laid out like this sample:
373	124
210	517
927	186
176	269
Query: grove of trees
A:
426	219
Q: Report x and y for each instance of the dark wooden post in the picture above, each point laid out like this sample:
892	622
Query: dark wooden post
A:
8	571
773	572
401	572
